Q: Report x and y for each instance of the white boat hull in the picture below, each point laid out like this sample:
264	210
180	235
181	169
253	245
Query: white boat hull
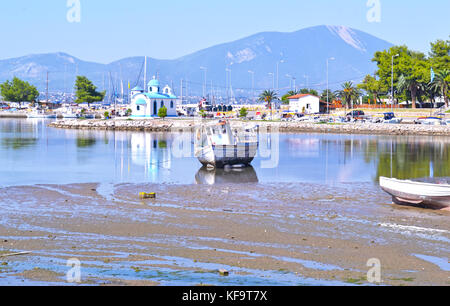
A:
39	116
220	156
394	121
417	193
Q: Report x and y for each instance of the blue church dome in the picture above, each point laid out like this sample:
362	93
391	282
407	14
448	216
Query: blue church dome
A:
153	83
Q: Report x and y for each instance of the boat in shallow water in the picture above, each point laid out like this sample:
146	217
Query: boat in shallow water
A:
407	192
216	145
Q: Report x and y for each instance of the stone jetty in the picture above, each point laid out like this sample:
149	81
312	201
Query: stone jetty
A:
177	125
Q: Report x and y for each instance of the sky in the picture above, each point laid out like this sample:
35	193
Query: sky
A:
109	30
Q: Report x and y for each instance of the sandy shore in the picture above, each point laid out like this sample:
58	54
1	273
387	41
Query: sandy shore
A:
263	234
175	125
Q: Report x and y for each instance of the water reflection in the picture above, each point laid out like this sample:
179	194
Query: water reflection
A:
226	176
85	142
32	153
18	143
412	157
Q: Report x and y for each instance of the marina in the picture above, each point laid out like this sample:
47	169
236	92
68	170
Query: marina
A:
219	151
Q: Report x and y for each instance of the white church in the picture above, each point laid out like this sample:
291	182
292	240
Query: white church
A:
147	104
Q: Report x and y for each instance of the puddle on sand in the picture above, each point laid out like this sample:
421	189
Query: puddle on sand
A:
442	263
179	272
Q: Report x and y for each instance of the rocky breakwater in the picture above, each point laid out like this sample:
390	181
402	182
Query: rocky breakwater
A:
175	125
362	128
126	125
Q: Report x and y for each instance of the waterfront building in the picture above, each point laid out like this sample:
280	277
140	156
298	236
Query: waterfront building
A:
307	104
147	103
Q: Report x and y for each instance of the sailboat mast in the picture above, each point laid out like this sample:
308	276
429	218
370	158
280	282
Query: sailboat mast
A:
145	73
47	88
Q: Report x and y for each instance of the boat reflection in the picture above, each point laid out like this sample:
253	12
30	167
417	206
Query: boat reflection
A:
226	176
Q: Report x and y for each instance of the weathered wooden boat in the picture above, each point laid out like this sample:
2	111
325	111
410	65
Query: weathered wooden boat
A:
407	192
216	145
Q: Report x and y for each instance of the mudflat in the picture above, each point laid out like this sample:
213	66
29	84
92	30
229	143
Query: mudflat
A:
262	234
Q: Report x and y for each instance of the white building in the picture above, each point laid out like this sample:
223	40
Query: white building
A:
305	103
147	104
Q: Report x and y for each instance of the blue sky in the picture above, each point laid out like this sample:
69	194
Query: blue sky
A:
113	29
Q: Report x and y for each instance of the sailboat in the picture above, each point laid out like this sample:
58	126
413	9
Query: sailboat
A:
41	113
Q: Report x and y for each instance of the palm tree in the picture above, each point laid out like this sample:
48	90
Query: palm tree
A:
411	85
441	84
268	96
348	93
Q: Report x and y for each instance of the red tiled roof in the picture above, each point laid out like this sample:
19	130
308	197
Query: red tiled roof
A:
300	96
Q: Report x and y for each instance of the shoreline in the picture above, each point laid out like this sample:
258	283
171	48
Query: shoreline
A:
179	125
322	236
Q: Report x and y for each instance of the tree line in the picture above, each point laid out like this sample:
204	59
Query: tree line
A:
20	91
416	77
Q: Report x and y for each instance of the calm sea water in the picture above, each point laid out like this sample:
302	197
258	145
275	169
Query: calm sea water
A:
32	153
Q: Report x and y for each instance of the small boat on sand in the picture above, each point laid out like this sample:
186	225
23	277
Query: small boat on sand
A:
391	119
406	192
429	121
216	145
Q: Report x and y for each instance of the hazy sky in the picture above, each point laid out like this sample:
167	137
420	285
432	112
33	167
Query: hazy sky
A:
113	29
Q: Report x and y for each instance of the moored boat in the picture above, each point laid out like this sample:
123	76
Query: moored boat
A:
417	193
41	114
429	121
218	146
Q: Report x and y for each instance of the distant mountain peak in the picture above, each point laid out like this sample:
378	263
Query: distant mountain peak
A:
66	57
303	53
348	35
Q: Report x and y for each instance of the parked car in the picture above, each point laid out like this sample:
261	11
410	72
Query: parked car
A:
357	115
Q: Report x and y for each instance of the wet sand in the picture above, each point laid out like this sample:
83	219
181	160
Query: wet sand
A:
263	234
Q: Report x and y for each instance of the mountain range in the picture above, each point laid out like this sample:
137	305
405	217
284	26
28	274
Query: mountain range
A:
301	55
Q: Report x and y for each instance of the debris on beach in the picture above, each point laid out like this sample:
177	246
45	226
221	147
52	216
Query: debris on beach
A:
144	195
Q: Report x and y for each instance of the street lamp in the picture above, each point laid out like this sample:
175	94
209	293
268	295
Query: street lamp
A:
273	80
278	78
204	84
292	81
392	83
253	83
229	89
328	98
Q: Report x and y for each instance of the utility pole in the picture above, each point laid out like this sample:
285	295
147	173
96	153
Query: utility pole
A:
392	83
